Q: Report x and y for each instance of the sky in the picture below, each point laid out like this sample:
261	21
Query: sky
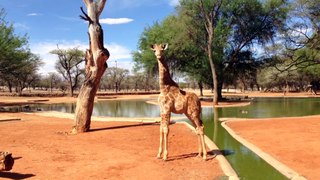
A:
49	23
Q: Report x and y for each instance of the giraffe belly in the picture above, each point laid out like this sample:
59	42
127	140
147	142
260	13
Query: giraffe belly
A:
179	107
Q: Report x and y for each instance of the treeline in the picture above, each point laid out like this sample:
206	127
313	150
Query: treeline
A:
18	65
268	45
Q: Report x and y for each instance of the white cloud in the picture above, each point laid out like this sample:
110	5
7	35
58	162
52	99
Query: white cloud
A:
111	21
173	2
118	53
33	14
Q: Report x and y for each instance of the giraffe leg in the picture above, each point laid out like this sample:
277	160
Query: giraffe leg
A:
195	119
202	142
165	119
166	133
199	143
161	139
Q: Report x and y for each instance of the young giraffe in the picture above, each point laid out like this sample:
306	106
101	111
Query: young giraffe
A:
173	99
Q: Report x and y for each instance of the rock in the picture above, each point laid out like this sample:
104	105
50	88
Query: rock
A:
6	161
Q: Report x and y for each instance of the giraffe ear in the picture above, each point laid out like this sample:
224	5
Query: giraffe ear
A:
152	47
165	46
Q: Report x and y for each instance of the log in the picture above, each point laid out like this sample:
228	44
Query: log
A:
6	161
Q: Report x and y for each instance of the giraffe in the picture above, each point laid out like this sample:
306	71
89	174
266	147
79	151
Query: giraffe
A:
173	99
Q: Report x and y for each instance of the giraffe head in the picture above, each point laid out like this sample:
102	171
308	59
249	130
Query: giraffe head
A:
159	49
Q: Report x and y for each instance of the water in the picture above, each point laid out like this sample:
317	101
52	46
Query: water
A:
246	163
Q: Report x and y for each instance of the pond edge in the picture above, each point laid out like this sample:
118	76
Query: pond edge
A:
282	168
224	164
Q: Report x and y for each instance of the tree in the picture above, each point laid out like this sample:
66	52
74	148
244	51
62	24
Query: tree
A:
138	81
208	39
181	55
301	36
69	66
231	28
95	60
206	15
116	77
26	74
18	66
296	50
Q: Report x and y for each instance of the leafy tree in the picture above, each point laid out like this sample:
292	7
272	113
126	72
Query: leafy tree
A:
301	36
297	48
18	66
26	74
213	37
69	66
181	55
232	28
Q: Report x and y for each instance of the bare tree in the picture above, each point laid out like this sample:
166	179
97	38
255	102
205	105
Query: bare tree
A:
96	65
68	65
116	76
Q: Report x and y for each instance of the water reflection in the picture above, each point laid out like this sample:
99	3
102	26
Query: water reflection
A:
125	108
64	107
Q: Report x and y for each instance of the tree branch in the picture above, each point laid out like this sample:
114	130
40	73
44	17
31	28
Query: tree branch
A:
100	5
85	17
87	2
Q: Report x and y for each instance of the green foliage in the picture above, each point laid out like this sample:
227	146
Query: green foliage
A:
237	26
18	65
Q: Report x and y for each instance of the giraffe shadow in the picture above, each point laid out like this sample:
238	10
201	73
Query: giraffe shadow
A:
13	175
210	155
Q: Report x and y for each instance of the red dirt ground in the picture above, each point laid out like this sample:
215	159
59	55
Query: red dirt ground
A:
127	150
112	150
292	141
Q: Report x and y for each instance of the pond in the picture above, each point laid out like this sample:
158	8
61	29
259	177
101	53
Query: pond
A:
246	163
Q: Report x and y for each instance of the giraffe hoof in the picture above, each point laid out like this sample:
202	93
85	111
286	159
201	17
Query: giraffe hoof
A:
204	158
165	157
159	156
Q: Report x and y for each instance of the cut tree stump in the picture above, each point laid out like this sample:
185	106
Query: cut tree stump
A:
6	161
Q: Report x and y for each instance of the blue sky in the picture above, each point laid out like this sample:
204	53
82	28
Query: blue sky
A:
51	22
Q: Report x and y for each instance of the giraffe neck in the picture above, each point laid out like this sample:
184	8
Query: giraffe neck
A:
165	80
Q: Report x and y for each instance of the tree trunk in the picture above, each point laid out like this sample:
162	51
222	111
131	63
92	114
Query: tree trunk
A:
96	58
9	86
201	88
71	88
215	80
212	65
209	25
